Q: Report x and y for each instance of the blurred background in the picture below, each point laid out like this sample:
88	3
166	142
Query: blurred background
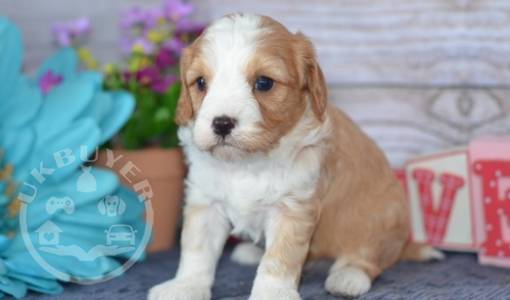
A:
417	75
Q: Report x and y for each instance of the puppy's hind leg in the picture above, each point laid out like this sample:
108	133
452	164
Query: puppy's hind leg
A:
347	279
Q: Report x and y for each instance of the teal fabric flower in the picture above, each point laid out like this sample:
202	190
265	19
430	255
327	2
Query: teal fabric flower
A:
55	121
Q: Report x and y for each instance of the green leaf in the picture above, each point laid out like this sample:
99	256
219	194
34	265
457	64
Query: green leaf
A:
162	115
152	121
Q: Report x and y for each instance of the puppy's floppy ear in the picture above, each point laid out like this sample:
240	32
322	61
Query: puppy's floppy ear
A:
184	111
312	78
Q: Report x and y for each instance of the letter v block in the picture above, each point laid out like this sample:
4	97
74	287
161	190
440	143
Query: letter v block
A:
439	200
490	177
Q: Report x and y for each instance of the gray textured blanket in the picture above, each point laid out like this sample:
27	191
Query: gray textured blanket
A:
458	277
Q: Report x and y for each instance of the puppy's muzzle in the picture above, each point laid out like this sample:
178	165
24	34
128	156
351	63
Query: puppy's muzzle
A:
223	126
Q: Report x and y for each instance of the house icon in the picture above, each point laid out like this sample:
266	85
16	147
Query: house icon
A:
49	233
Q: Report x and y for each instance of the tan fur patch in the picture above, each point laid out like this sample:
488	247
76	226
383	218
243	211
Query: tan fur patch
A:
290	60
364	217
285	256
192	66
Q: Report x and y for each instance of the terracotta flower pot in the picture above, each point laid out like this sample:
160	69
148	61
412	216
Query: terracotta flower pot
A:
165	170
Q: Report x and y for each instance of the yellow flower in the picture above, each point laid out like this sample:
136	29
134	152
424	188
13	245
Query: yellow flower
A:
155	36
108	68
139	62
86	58
138	48
162	21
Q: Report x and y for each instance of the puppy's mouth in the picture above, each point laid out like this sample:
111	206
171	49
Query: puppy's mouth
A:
223	143
227	149
235	144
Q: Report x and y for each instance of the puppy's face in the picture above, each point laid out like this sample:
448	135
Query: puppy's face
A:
246	82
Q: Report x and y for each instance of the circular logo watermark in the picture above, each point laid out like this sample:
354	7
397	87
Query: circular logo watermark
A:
75	220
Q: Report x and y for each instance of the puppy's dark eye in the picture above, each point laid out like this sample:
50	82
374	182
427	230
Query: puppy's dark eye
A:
263	83
201	84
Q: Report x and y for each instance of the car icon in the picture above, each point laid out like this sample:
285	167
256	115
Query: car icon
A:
120	233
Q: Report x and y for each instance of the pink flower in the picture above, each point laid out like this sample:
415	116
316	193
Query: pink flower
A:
165	58
48	81
148	75
155	79
72	32
161	85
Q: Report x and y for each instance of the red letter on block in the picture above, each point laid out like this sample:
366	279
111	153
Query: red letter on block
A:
439	200
436	220
496	208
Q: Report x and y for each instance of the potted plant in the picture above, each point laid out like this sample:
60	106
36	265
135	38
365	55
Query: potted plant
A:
152	41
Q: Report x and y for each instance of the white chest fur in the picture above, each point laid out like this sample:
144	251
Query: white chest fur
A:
250	190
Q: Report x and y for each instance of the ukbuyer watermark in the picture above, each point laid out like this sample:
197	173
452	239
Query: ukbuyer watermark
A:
74	216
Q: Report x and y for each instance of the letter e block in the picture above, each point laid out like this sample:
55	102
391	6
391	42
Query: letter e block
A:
490	180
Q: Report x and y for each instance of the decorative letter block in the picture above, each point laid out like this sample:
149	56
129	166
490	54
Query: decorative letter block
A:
439	200
490	163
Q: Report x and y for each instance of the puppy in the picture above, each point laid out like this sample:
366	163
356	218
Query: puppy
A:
271	160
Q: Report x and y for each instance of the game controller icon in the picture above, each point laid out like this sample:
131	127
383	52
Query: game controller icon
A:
54	204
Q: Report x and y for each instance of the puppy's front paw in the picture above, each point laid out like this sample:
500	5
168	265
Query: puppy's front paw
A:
272	293
348	281
178	289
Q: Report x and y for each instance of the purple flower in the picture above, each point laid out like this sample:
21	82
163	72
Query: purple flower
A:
134	18
48	81
137	21
140	44
175	45
161	85
188	26
177	9
144	45
154	15
72	32
152	77
165	58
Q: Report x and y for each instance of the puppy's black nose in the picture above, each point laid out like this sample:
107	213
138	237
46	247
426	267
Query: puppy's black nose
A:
223	125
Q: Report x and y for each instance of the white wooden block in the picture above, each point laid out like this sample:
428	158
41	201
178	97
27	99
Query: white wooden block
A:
439	196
